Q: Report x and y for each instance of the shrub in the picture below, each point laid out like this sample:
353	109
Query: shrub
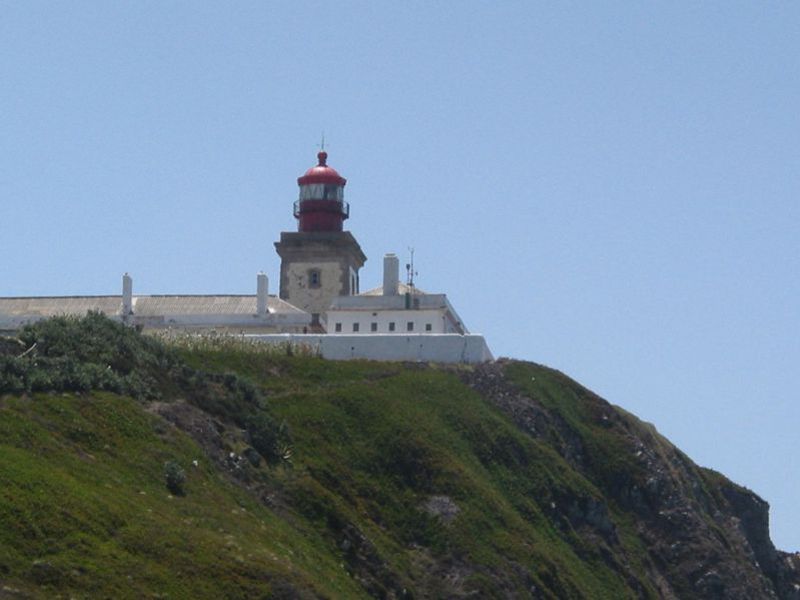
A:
80	354
175	478
95	353
86	353
270	439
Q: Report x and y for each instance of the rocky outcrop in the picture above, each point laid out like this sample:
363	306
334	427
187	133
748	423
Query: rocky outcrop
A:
706	537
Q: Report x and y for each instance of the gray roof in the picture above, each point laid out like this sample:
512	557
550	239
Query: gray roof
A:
206	305
402	288
142	305
53	306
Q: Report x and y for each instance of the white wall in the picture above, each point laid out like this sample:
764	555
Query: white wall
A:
420	318
348	309
444	348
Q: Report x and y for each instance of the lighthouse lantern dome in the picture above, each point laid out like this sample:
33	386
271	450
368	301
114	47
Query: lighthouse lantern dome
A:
321	205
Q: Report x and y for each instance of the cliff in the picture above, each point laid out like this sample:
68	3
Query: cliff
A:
130	469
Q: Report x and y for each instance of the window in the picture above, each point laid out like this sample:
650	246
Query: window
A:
410	326
428	327
311	192
338	328
353	282
373	327
314	278
355	327
319	191
331	192
391	326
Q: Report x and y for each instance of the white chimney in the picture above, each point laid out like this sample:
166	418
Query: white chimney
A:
261	294
127	295
391	274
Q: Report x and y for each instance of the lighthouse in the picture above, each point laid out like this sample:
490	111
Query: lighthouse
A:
320	260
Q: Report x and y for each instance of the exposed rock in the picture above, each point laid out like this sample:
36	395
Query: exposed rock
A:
442	507
365	564
705	537
210	433
701	544
789	575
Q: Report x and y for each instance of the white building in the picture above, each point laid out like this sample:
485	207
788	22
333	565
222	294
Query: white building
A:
394	308
318	304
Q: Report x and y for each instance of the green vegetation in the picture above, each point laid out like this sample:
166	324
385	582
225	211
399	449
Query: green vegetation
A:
85	511
376	440
176	478
397	480
94	353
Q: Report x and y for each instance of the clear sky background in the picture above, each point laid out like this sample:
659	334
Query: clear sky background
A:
611	189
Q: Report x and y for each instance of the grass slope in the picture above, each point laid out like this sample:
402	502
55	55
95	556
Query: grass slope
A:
84	510
373	441
375	447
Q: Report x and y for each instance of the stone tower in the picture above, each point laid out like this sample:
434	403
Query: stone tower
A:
319	261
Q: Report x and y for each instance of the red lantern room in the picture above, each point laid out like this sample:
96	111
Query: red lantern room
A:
321	206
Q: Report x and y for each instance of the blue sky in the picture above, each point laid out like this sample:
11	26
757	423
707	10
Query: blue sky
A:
608	188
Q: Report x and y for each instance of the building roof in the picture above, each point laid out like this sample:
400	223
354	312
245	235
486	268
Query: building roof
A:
142	305
206	305
402	289
60	305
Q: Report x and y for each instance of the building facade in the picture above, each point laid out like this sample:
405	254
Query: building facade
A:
393	309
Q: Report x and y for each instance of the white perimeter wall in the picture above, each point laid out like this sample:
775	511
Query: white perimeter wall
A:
445	348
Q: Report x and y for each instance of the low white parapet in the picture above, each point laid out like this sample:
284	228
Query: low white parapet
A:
443	348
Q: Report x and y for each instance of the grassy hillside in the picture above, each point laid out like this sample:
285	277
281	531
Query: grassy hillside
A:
84	509
376	441
292	476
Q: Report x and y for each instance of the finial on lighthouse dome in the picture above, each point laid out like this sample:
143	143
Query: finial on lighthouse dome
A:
321	173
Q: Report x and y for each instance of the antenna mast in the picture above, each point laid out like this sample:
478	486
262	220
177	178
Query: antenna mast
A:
410	272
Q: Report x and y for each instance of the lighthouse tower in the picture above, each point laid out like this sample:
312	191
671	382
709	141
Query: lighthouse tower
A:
319	261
